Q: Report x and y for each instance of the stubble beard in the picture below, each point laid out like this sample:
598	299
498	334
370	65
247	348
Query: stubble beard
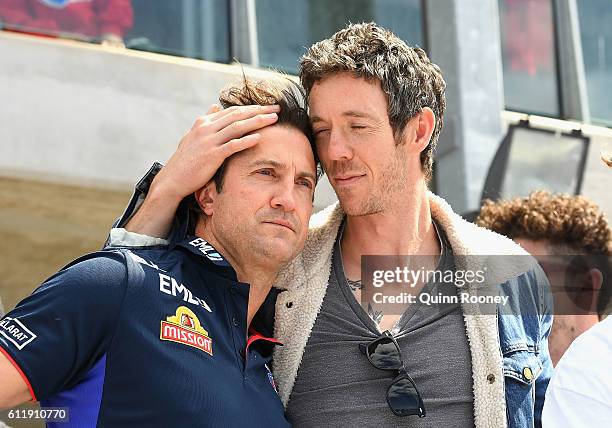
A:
392	183
248	242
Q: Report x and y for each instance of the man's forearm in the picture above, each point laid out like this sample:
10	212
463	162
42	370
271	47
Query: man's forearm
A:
13	389
154	217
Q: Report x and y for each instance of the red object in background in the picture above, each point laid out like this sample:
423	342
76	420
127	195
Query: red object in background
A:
528	35
91	18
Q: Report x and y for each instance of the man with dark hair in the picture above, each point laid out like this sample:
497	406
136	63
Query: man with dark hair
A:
572	240
179	335
376	106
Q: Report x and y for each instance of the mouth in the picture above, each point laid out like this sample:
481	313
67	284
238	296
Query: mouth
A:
344	180
281	223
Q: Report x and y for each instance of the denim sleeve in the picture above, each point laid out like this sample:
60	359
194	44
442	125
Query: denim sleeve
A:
546	320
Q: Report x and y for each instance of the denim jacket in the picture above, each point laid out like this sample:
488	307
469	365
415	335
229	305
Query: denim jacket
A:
510	359
523	336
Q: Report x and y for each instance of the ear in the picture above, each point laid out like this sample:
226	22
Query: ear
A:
595	279
423	125
206	197
587	286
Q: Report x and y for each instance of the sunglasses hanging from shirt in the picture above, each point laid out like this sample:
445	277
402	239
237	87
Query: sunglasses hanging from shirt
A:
403	397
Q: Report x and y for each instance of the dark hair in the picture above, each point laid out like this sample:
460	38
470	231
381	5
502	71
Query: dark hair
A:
407	76
291	98
572	223
287	94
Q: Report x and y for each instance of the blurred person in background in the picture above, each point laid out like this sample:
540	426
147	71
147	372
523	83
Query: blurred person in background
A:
180	335
106	21
528	47
572	227
580	391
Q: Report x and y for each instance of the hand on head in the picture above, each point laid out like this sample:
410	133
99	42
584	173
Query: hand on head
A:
210	141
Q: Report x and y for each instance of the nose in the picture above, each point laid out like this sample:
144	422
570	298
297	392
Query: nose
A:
338	148
284	198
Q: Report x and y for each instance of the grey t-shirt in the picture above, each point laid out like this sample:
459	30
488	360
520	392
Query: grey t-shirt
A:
336	385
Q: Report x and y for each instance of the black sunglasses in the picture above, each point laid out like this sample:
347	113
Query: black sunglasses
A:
403	397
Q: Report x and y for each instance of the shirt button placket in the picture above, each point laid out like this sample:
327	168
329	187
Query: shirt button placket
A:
233	291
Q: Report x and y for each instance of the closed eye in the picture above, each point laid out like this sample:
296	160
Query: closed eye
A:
266	171
306	183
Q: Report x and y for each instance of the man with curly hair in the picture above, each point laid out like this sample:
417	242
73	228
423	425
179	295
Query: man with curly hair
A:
549	225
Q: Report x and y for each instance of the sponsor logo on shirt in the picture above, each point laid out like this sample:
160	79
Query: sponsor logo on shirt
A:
184	327
16	333
172	287
206	249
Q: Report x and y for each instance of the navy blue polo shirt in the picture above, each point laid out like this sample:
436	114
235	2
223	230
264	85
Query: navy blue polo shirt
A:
150	337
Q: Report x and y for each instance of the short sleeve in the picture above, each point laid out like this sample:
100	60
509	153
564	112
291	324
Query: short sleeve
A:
58	333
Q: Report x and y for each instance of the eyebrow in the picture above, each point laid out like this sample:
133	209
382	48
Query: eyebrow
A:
349	113
279	165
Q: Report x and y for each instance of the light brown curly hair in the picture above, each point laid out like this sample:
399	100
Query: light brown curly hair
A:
561	219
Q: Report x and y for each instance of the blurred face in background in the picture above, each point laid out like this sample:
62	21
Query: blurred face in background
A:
574	293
